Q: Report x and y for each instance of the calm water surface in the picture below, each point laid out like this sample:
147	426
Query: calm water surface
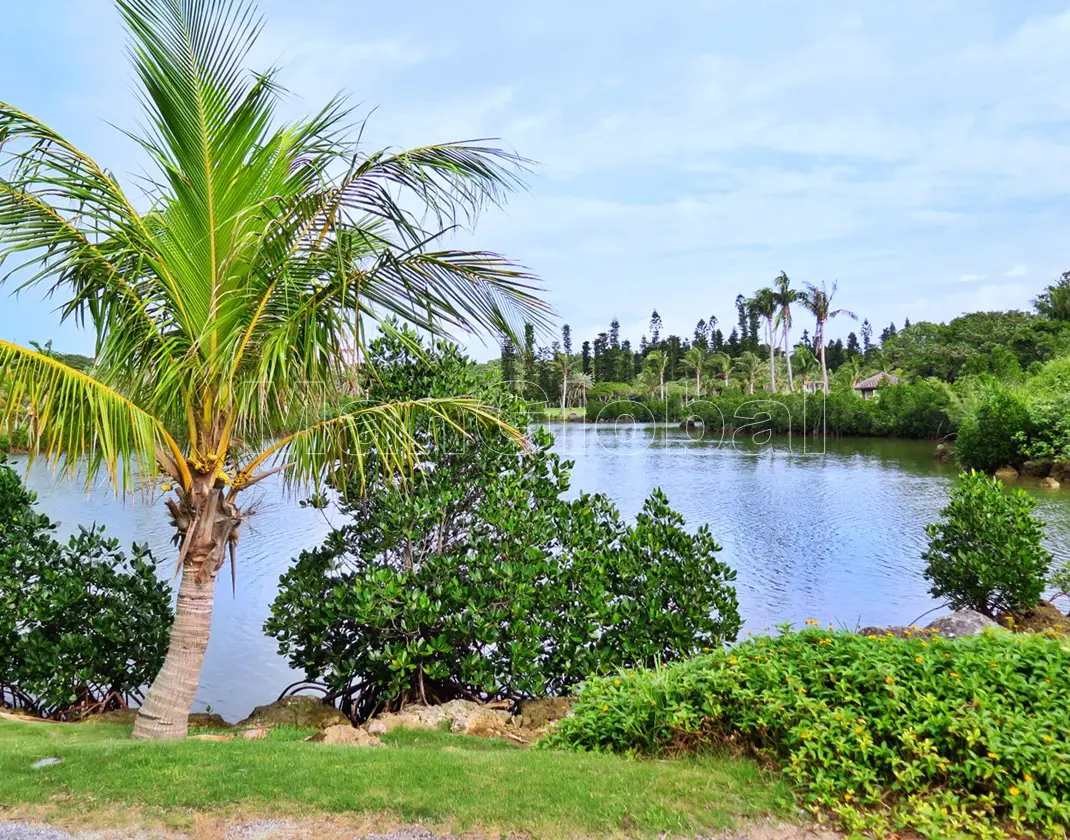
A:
834	534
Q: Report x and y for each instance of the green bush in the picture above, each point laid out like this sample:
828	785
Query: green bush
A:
989	436
480	579
986	551
82	627
944	738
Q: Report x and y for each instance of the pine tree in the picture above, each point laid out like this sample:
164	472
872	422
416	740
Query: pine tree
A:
585	352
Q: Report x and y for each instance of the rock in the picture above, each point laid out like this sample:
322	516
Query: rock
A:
1007	473
202	720
1050	483
961	623
1045	617
1039	468
898	631
456	715
1060	471
254	734
943	452
45	762
347	735
376	727
538	714
300	711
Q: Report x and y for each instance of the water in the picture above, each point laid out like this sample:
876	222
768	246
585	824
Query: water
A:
834	535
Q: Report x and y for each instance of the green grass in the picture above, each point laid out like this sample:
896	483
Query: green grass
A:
429	777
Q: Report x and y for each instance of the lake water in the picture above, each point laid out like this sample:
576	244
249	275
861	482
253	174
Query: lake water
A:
831	532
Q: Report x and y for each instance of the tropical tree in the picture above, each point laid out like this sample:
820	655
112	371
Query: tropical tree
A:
657	361
1054	301
749	367
784	296
807	365
225	298
721	365
695	359
764	303
563	365
579	384
817	300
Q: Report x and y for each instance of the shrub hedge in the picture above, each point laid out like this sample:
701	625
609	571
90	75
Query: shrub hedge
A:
945	738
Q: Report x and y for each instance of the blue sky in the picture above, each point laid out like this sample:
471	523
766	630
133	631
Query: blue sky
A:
917	152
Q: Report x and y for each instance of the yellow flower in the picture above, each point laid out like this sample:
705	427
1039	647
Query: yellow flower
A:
706	650
804	735
605	708
733	661
858	730
1048	739
992	755
1027	778
871	635
848	796
889	680
166	488
616	682
812	622
825	642
919	658
954	675
1013	790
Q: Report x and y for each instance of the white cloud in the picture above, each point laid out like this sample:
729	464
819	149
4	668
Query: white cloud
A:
971	278
1016	271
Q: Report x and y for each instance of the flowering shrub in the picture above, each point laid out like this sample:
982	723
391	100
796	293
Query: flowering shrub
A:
945	738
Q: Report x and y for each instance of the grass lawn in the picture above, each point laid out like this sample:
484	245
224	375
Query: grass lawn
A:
430	777
554	412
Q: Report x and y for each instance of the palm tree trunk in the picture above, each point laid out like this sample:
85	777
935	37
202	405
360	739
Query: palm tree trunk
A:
824	366
772	356
698	383
165	713
787	356
564	390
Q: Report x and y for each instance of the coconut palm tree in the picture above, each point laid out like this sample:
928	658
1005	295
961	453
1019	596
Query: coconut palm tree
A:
658	362
807	365
817	300
784	296
224	298
695	359
721	365
764	303
749	367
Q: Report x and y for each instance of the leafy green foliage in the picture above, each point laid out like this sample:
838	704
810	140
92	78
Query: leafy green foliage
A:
990	436
82	627
480	579
944	738
986	551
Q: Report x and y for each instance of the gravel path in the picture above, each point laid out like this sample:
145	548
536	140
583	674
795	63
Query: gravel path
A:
300	830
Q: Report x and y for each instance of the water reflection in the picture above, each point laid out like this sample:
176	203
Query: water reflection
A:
835	536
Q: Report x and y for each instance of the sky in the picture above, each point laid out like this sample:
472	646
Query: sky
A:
918	152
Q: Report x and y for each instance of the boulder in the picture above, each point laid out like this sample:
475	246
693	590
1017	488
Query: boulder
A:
1039	468
253	734
1050	483
943	452
961	623
1007	473
347	735
1045	617
303	712
539	714
199	720
456	715
1060	471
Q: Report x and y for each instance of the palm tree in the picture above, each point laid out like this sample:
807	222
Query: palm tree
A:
579	385
749	367
784	296
658	362
721	364
224	300
817	300
695	359
806	364
764	303
563	365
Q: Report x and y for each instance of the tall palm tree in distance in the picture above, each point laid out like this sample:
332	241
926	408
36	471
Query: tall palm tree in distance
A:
658	362
784	296
224	297
721	365
695	359
764	303
749	367
817	300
